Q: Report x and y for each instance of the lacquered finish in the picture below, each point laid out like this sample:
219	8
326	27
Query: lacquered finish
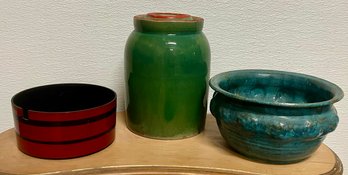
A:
64	120
66	150
274	116
167	65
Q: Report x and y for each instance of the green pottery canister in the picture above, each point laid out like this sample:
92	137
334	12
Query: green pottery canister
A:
167	63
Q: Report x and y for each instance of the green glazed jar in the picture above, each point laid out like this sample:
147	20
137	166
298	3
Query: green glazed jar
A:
167	63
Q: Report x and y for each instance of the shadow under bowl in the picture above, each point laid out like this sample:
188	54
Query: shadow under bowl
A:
274	116
64	120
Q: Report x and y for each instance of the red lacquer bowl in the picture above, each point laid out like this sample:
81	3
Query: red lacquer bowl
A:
64	120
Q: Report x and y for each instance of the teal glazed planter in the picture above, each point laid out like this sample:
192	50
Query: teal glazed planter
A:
167	63
274	116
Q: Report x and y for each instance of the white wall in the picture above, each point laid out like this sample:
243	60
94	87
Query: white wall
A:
50	41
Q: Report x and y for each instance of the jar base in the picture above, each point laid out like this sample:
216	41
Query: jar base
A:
177	137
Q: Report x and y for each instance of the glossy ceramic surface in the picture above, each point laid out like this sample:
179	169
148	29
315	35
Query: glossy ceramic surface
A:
274	116
64	120
167	61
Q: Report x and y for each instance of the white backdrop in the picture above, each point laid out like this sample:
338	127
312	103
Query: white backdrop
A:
51	41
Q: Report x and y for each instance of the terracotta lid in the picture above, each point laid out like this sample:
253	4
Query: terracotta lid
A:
168	23
168	15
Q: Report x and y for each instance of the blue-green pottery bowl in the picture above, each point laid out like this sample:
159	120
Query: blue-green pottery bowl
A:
274	116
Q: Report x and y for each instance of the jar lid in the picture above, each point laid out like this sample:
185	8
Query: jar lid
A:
168	23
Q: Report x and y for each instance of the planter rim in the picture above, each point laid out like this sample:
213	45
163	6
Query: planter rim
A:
337	92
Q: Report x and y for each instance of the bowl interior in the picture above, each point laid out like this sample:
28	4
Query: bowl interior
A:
275	87
63	97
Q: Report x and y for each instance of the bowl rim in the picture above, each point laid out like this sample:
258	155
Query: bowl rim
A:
63	84
333	88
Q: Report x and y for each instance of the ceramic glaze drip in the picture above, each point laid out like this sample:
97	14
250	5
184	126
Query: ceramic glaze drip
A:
274	116
274	122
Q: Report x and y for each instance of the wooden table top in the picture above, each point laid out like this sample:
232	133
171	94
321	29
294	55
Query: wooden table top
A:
206	153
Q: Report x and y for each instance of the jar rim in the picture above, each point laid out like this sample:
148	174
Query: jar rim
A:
159	22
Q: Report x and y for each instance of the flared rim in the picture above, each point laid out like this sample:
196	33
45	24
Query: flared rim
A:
337	92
